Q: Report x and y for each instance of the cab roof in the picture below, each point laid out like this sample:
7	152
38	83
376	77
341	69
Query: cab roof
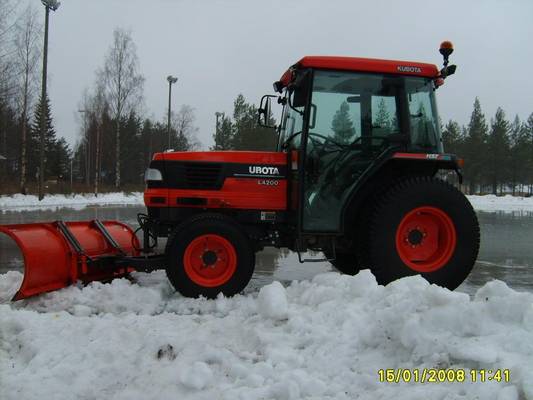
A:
358	64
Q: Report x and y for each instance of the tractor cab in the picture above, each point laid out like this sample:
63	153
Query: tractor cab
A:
342	117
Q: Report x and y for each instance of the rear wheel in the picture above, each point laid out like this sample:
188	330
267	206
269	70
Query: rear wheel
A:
209	255
345	262
423	226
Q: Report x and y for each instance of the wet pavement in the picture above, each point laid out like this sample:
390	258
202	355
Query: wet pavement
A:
506	248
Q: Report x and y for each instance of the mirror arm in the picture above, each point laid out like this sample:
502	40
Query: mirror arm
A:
291	106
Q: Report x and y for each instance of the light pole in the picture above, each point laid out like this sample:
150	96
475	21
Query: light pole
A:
171	79
48	5
217	134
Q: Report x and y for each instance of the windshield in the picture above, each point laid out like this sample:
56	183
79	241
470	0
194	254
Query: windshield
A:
354	105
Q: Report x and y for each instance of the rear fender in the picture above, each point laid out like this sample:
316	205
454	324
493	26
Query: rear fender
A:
391	167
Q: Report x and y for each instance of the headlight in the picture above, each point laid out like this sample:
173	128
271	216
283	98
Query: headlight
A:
152	174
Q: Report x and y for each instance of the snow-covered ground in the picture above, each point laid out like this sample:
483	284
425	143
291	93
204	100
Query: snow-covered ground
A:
505	203
322	339
19	202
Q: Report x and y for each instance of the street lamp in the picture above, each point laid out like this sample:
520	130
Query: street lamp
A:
171	79
48	5
217	134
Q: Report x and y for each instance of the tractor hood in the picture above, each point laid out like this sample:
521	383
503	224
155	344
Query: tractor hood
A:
236	157
241	180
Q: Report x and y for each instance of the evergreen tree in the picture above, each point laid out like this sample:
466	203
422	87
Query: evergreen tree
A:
519	154
223	138
499	151
342	125
383	119
132	167
247	134
475	148
528	133
452	138
55	152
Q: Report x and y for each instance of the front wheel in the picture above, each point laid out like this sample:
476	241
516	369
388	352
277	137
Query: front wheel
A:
423	226
209	255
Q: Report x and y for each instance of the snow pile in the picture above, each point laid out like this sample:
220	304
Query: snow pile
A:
324	338
272	301
505	203
19	202
9	285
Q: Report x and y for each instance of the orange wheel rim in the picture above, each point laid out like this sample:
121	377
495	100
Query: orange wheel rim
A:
426	239
210	260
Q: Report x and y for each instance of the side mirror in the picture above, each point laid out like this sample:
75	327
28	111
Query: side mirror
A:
265	112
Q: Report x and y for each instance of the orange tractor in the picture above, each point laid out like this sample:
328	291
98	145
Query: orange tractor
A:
354	178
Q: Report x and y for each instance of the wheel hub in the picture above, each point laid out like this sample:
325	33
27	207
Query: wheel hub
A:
415	237
209	258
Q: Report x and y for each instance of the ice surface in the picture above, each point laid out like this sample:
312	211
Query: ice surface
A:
323	338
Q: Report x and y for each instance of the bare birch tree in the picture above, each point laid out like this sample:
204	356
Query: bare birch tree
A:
97	110
8	23
184	125
123	83
27	57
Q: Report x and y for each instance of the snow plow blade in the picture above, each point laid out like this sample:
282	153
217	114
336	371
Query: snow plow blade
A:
58	254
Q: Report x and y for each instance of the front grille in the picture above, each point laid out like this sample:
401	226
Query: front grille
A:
192	175
202	176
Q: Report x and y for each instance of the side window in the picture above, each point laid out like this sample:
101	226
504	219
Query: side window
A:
338	116
421	112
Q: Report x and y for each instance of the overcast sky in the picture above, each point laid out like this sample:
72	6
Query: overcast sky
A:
219	49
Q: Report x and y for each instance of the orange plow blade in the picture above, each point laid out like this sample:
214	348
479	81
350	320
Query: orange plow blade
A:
58	254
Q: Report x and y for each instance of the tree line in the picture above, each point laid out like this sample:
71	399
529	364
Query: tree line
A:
117	139
117	142
498	155
20	111
241	130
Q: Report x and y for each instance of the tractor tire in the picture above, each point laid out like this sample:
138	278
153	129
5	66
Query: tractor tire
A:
346	263
208	255
423	226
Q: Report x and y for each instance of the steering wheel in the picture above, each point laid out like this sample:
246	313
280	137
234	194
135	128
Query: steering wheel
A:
325	138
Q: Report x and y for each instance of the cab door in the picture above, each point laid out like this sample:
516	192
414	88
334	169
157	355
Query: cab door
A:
351	115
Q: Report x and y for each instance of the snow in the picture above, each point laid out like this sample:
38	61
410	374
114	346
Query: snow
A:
505	203
19	202
320	338
272	302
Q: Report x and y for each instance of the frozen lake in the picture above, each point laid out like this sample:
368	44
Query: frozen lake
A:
506	248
